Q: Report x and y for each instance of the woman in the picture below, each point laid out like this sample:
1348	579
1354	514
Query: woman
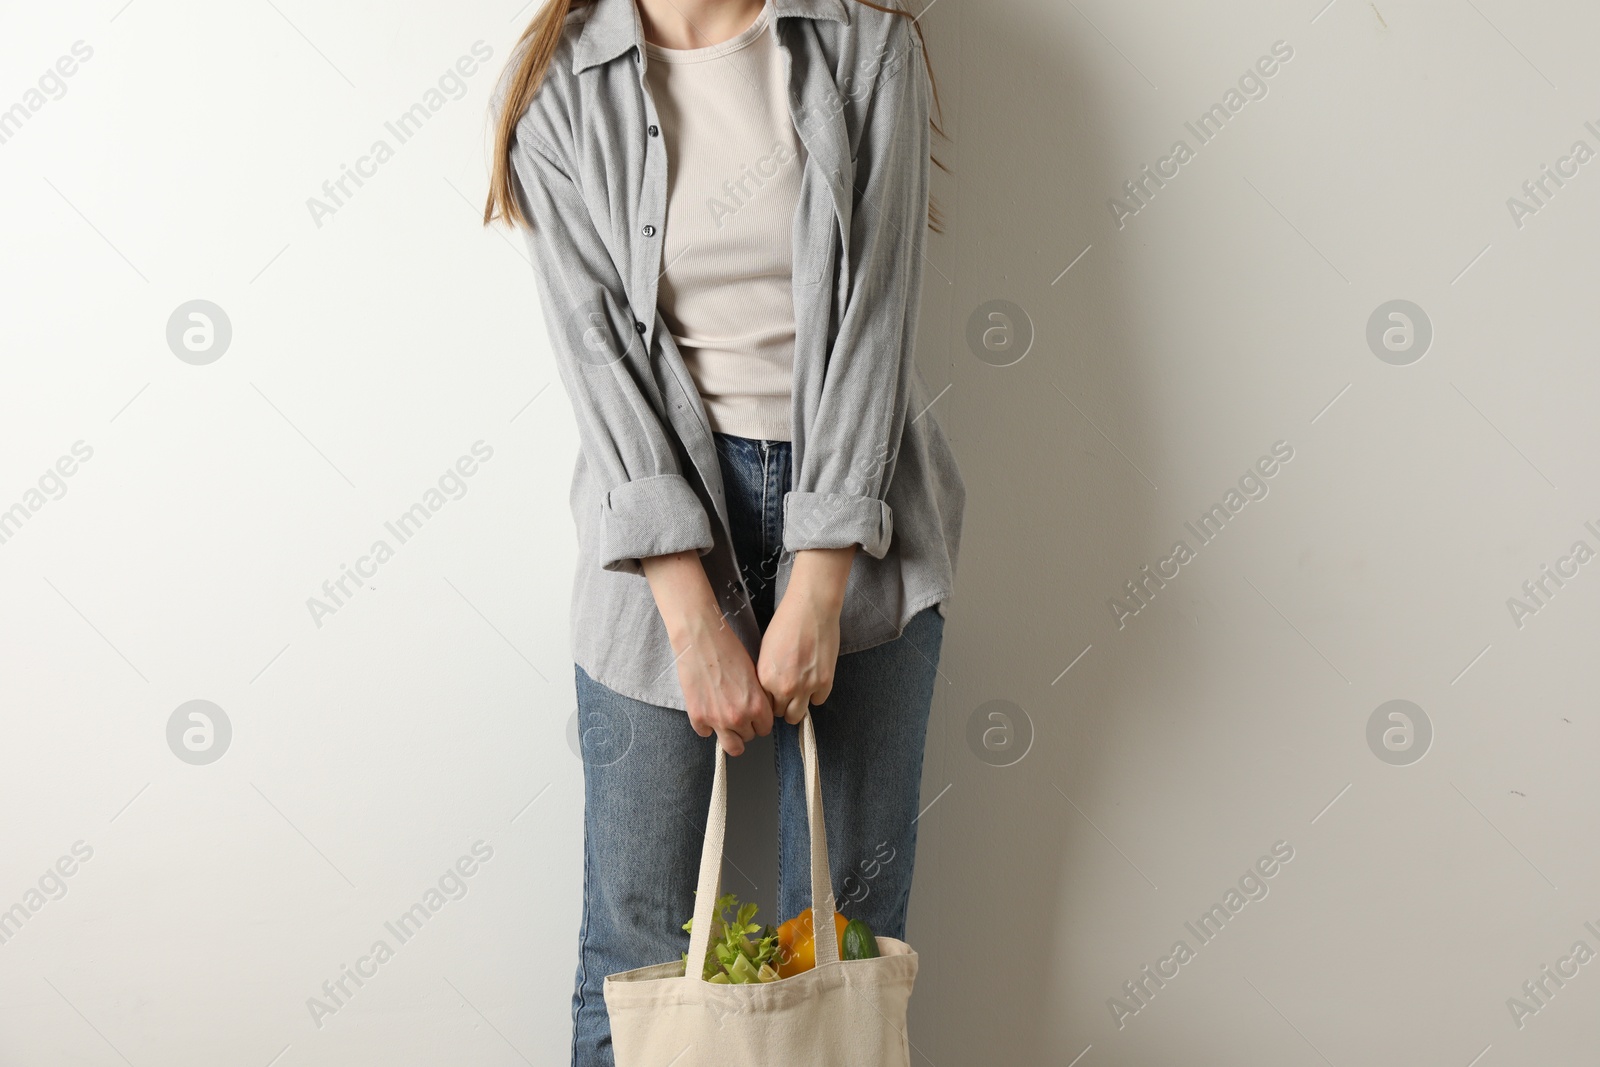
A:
726	203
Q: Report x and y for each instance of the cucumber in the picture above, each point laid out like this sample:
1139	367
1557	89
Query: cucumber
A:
859	942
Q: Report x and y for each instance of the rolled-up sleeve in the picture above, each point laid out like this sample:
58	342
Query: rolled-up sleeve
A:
838	497
648	508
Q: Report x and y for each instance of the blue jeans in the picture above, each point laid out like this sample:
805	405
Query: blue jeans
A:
647	779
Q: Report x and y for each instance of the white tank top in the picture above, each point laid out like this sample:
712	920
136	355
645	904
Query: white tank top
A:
734	162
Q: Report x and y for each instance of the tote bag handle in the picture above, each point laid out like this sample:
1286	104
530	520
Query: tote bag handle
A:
705	901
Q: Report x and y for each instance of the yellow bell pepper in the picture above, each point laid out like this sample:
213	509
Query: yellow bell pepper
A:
797	948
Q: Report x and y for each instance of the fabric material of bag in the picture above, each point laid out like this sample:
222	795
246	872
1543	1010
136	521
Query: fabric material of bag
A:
841	1012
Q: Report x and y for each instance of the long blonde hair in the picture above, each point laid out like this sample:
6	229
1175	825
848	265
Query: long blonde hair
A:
545	34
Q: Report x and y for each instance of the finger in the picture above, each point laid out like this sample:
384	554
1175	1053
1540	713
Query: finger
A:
700	727
820	695
797	711
730	742
776	691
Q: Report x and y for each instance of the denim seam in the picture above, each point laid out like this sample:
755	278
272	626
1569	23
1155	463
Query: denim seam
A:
777	759
583	969
903	905
766	481
782	460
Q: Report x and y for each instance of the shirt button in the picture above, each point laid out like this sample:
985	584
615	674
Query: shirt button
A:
655	131
649	230
638	327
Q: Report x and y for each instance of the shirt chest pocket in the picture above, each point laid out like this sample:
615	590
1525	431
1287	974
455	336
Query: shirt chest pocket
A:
813	246
816	231
810	258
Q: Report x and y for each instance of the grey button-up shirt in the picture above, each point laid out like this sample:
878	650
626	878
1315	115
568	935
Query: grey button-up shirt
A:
871	466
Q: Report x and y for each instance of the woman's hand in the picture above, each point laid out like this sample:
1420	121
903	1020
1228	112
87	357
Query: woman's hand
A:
801	646
718	679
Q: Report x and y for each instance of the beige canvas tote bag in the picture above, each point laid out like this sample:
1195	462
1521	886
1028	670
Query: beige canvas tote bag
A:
841	1013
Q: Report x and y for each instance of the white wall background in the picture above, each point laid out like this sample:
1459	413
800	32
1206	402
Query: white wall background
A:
431	711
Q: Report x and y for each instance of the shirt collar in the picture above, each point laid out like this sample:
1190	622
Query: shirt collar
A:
613	26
